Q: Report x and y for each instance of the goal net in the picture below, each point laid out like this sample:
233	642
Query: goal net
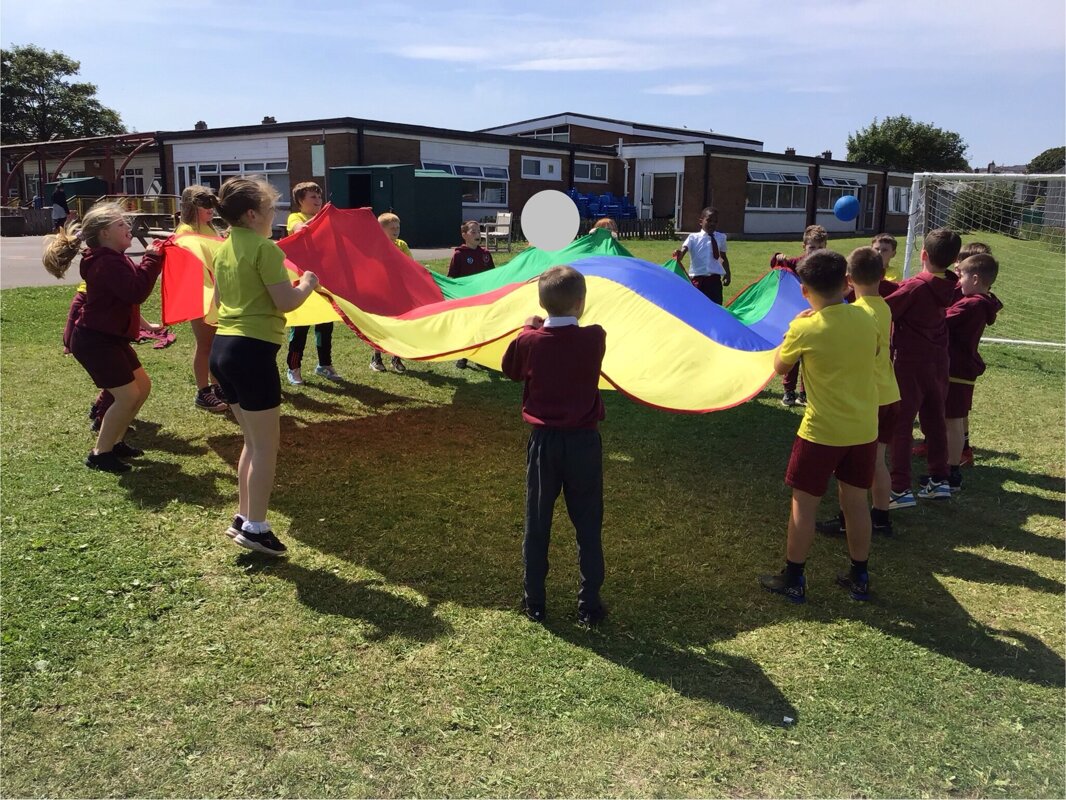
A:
1022	218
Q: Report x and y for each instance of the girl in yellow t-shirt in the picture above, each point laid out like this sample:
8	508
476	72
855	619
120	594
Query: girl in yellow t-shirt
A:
197	211
253	293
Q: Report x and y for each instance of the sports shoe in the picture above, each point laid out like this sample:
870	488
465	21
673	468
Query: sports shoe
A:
801	399
788	399
294	376
831	527
933	490
235	526
209	401
461	363
776	584
904	499
591	617
967	457
858	588
123	450
263	542
327	372
955	480
375	362
398	366
106	462
920	450
534	611
883	529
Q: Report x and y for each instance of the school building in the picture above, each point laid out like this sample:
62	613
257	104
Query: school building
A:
665	172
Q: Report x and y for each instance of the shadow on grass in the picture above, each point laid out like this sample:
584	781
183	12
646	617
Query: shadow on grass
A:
432	498
366	601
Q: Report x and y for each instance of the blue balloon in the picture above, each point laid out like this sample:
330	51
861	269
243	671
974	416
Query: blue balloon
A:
846	208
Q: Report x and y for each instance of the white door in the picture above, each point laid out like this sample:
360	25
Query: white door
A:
645	203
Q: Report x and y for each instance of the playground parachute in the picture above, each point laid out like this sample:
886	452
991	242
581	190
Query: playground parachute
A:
668	346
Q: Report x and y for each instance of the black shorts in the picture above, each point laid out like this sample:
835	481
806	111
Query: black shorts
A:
247	371
109	359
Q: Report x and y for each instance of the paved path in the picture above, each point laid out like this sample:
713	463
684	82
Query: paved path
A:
20	261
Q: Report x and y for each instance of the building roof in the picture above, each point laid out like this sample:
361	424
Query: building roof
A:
373	125
637	127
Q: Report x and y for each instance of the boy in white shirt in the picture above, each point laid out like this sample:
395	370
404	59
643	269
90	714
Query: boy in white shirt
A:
709	271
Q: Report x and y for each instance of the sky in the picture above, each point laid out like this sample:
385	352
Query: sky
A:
790	74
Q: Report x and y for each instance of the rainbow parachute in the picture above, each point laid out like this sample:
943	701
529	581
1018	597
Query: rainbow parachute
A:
667	345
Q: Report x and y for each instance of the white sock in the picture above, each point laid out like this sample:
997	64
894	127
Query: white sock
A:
255	527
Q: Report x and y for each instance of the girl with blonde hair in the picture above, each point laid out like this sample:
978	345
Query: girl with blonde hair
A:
253	293
108	320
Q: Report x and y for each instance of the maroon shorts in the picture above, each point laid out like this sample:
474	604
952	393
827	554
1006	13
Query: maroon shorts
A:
109	359
959	400
710	285
886	422
810	465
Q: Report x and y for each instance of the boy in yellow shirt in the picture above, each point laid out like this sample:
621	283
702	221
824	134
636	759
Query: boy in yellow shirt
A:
390	223
866	270
838	435
307	200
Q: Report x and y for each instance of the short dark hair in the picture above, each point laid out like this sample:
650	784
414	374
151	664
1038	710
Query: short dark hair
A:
885	238
823	271
301	190
973	249
560	289
708	211
865	266
942	246
986	267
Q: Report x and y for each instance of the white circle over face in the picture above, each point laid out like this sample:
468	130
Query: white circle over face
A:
550	220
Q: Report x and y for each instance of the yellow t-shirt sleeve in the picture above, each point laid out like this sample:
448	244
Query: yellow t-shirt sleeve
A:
403	247
792	346
271	263
295	218
184	227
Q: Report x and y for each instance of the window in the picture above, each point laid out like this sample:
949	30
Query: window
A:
214	175
827	197
591	171
492	191
899	200
439	167
133	181
545	169
560	133
770	190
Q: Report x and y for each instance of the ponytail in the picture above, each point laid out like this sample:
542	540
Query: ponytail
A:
59	250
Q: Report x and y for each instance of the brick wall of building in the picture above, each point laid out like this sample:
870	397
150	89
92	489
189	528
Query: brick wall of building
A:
728	190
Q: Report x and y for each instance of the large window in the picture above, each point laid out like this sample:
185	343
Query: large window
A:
832	189
213	175
133	181
560	133
773	190
482	186
590	171
542	169
899	199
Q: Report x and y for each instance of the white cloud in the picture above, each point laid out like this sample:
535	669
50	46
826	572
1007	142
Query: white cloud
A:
681	90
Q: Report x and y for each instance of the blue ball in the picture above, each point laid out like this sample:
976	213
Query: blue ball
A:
846	208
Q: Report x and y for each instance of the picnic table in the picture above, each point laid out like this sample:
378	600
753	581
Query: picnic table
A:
145	225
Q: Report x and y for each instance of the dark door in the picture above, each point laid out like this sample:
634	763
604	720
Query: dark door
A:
360	191
664	196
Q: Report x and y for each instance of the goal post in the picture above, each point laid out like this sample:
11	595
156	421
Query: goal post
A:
1022	219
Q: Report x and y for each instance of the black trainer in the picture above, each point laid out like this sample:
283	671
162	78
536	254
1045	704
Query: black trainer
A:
534	611
831	527
123	450
801	399
796	593
235	526
591	617
858	588
106	462
264	542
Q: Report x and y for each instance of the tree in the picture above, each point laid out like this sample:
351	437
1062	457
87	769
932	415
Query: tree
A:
1051	162
37	103
909	146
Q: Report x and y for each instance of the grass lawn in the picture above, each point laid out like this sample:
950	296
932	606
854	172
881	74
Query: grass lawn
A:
144	654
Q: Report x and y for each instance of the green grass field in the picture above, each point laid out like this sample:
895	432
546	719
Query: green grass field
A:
144	654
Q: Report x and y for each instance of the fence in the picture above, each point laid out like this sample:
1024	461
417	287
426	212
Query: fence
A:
34	221
627	228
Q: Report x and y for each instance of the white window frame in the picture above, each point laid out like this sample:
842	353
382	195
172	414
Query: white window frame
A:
899	199
587	178
559	133
549	169
275	172
767	178
834	193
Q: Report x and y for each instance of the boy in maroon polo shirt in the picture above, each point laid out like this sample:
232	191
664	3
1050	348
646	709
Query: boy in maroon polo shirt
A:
920	357
560	365
469	259
966	320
